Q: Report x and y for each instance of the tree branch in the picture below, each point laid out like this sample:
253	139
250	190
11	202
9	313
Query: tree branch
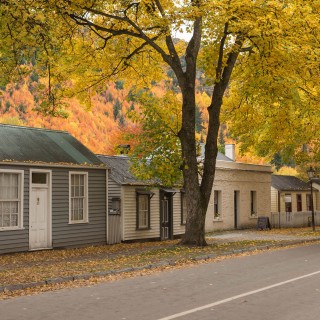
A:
221	52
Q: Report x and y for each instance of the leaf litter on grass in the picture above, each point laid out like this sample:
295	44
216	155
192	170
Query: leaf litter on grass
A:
39	266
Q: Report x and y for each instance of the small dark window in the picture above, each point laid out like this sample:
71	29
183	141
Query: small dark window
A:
115	206
299	202
39	178
309	205
253	203
217	205
288	202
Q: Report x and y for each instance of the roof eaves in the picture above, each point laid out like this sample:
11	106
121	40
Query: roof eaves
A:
54	164
33	128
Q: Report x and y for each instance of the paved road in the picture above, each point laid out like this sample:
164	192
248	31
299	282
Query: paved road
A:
280	285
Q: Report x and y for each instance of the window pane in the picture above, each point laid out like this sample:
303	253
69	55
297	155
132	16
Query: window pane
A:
253	203
81	191
6	220
14	186
217	204
39	177
80	214
81	180
14	220
14	207
6	207
72	192
76	191
115	205
9	186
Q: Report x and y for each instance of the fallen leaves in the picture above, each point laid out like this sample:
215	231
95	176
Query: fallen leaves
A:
38	266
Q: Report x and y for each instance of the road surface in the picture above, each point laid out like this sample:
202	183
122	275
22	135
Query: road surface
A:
281	285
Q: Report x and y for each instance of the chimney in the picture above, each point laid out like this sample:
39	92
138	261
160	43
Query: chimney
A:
230	151
123	149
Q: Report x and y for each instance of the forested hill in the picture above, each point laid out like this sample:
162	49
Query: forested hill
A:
101	128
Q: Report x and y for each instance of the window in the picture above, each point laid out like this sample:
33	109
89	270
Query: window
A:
78	197
216	205
253	203
288	202
299	202
183	208
115	206
309	205
143	209
39	178
11	191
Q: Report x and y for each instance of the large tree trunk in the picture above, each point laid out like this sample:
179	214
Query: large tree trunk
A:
198	193
197	202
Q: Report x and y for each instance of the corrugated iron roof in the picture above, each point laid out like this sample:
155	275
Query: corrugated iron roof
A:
120	169
26	144
288	183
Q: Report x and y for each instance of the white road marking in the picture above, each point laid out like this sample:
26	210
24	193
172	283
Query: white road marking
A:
210	305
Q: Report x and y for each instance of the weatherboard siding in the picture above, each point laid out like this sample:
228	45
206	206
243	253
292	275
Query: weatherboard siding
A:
130	215
78	234
178	228
114	220
114	191
274	200
63	233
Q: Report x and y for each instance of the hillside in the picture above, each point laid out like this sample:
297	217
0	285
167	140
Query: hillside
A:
101	128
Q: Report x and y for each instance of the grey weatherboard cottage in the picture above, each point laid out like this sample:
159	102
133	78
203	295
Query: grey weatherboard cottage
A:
52	191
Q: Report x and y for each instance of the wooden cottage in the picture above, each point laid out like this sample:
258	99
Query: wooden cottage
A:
52	191
291	202
136	209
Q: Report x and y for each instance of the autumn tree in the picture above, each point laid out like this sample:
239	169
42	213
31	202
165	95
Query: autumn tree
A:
85	43
157	154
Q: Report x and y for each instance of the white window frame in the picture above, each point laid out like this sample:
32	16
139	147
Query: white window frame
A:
20	199
146	212
86	195
217	202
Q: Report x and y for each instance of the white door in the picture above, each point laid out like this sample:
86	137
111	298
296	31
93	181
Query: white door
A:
38	219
